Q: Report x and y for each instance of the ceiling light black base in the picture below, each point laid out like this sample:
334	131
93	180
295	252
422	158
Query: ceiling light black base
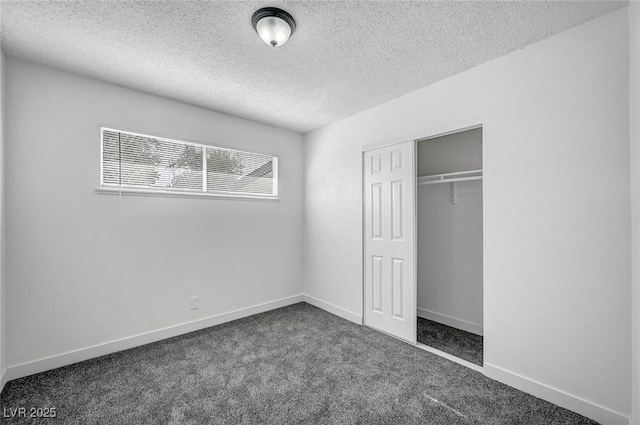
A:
273	11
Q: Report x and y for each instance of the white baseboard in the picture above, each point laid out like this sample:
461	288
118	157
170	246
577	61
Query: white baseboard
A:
474	328
333	309
70	357
576	404
555	396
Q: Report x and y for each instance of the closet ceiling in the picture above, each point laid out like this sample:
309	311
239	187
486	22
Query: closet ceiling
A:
344	57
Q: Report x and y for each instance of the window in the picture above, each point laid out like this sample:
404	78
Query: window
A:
132	162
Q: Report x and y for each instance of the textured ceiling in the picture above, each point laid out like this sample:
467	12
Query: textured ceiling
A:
344	57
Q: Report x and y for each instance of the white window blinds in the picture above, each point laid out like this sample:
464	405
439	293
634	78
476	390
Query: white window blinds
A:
142	162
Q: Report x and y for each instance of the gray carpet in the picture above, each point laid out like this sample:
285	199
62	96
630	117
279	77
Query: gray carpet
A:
459	343
297	365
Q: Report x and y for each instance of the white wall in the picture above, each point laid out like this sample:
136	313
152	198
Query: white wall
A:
450	235
634	114
556	209
84	269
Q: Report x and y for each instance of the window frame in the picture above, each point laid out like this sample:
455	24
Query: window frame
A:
110	188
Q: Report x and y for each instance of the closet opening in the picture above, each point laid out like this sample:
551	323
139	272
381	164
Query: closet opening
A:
449	246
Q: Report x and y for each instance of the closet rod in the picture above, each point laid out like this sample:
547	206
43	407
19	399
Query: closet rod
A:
458	176
459	179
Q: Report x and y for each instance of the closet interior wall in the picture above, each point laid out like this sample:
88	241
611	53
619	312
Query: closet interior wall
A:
449	275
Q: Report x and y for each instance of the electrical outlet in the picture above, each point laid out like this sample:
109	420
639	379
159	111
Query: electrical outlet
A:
193	302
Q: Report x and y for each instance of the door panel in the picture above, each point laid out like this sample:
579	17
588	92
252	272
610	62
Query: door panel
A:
397	286
389	205
377	283
397	218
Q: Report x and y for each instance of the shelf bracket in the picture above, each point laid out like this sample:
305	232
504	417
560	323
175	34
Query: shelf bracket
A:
453	192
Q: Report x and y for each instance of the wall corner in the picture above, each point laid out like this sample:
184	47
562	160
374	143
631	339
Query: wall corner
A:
634	136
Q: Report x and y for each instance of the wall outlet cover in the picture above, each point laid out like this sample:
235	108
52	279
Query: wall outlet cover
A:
193	302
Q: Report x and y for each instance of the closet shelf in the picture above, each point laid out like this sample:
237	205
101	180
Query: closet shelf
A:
459	176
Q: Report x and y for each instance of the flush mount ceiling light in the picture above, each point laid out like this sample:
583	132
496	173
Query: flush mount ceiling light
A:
273	25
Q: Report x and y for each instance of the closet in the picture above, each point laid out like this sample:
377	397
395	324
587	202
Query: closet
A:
449	244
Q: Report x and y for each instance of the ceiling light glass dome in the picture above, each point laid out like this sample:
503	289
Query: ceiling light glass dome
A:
273	25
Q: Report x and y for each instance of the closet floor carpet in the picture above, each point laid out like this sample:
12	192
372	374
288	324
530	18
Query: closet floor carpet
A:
297	364
456	342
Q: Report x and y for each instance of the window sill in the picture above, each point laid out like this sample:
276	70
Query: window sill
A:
167	194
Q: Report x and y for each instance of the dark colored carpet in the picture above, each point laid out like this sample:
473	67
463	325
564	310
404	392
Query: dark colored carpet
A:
456	342
297	364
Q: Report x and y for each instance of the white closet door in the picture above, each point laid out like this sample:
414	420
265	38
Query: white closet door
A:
389	247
